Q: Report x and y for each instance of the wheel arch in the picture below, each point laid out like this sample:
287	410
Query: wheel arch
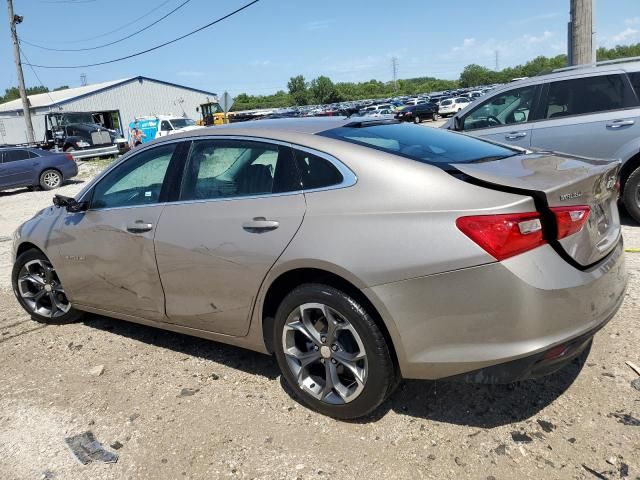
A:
24	246
286	281
628	168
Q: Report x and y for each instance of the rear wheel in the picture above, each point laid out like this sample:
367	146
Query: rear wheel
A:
39	289
331	352
417	119
435	116
631	195
50	179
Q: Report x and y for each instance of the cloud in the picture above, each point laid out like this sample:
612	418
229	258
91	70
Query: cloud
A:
626	35
535	18
190	73
632	21
317	25
532	39
260	63
466	44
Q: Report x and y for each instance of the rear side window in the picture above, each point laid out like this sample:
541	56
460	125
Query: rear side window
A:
588	95
428	145
635	81
15	155
315	171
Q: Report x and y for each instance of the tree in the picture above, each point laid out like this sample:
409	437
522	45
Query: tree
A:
323	90
298	90
61	87
13	93
474	75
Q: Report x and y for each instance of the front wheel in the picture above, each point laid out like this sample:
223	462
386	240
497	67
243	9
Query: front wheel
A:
331	352
50	179
631	195
39	291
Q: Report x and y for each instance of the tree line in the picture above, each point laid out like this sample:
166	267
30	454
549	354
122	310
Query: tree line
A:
323	90
13	93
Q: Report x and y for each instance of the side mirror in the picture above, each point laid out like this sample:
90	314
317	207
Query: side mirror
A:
70	203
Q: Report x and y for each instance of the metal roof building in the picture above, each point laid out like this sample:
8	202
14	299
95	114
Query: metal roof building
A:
114	103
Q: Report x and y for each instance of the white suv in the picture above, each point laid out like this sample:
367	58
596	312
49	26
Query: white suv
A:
592	111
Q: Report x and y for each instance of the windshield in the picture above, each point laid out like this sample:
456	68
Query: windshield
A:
428	145
69	118
182	122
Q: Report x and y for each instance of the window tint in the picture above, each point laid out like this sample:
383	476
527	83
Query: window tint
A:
15	155
635	81
507	108
137	181
588	95
429	145
230	168
315	171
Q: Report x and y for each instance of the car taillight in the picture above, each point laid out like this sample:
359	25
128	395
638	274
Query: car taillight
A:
68	156
503	236
570	220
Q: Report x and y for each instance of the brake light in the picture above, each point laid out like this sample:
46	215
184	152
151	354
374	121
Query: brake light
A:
570	220
506	235
68	156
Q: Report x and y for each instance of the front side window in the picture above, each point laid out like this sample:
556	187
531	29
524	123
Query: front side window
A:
15	155
507	108
237	168
635	81
588	95
137	181
165	126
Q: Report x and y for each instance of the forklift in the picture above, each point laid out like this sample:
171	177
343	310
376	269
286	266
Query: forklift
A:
212	114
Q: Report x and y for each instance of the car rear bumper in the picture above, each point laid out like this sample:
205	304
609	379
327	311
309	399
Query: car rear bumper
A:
464	321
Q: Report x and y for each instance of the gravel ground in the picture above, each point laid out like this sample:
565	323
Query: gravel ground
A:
180	407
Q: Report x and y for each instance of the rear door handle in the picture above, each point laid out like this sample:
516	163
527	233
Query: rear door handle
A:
139	226
260	225
620	123
514	135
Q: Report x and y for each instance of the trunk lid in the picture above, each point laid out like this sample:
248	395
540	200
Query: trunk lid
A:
562	181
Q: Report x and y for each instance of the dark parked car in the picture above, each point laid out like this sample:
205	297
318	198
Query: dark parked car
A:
418	113
32	167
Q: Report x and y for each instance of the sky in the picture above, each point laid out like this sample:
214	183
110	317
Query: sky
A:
259	49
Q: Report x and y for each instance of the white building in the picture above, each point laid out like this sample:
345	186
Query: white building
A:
114	103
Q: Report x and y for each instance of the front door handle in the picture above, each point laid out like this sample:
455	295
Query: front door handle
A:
515	135
260	225
139	226
620	123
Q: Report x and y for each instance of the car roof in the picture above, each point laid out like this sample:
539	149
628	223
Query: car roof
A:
310	125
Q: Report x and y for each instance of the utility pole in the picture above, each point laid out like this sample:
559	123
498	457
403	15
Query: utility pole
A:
497	60
13	21
581	33
394	67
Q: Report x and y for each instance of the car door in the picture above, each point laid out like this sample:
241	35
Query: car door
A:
107	258
592	116
240	205
17	167
505	117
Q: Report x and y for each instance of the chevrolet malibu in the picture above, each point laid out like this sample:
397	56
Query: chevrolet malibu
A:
358	252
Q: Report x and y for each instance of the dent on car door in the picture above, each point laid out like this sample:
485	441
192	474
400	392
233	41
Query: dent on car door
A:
240	205
504	117
106	254
593	116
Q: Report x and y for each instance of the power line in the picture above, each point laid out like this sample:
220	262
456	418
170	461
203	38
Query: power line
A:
152	48
36	75
110	43
122	27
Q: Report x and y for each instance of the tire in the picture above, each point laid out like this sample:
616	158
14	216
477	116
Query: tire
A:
357	335
417	119
39	290
435	117
69	150
631	195
50	179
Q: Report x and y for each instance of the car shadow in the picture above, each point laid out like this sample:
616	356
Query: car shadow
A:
474	405
234	357
17	191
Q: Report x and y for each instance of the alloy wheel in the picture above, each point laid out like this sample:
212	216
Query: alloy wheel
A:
51	179
325	353
41	290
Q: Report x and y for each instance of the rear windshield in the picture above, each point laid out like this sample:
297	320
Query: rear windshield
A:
424	144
